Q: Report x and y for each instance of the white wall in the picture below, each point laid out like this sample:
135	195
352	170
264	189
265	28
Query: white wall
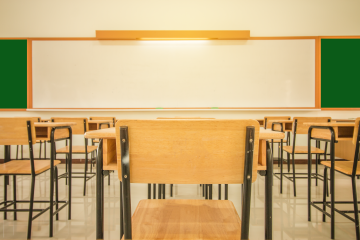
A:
80	18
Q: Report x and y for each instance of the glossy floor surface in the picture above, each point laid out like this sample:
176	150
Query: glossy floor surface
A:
289	212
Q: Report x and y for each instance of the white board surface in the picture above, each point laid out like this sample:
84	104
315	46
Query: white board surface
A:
179	74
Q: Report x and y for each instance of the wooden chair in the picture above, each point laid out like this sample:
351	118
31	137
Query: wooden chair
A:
79	129
347	168
267	125
21	131
186	152
300	128
206	188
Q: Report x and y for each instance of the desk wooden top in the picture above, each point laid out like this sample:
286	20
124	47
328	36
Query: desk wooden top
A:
53	124
331	124
100	121
269	134
281	121
343	131
109	133
344	120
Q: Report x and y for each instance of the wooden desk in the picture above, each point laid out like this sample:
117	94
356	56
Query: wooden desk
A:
287	125
43	130
108	161
344	132
99	124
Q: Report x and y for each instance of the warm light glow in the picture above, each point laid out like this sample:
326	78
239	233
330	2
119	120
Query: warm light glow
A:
177	38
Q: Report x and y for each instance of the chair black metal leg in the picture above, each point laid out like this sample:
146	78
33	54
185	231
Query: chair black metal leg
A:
332	189
159	191
66	167
108	175
317	160
324	194
32	191
293	164
121	211
154	191
85	172
17	151
51	210
203	190
163	191
226	192
14	195
56	191
210	191
279	152
288	161
281	167
219	197
206	191
22	152
40	150
171	189
5	194
326	144
149	191
356	210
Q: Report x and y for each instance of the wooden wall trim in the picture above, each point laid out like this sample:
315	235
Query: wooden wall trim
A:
340	109
318	73
345	37
29	75
11	110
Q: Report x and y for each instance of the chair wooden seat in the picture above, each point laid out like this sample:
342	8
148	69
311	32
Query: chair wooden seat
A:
343	166
186	219
77	149
24	167
95	140
302	149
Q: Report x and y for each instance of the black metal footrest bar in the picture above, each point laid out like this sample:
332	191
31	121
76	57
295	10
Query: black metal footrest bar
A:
313	176
341	212
41	211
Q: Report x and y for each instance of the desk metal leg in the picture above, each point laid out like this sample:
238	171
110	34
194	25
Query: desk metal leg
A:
100	193
268	193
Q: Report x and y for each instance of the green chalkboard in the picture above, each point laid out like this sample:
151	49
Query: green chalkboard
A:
13	74
340	73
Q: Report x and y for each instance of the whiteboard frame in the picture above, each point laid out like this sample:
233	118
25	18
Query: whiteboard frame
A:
317	81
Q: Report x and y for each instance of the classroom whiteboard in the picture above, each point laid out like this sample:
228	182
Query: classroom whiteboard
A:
179	74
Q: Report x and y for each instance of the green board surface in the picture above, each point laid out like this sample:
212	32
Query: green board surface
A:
340	73
13	74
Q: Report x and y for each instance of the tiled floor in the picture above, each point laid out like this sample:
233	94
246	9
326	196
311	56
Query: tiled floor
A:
289	213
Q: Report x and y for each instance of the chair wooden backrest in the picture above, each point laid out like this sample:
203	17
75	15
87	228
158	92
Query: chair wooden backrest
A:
267	119
356	131
14	131
188	151
81	126
113	119
303	129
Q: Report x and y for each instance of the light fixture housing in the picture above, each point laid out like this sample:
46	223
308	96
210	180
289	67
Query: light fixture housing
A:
172	34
